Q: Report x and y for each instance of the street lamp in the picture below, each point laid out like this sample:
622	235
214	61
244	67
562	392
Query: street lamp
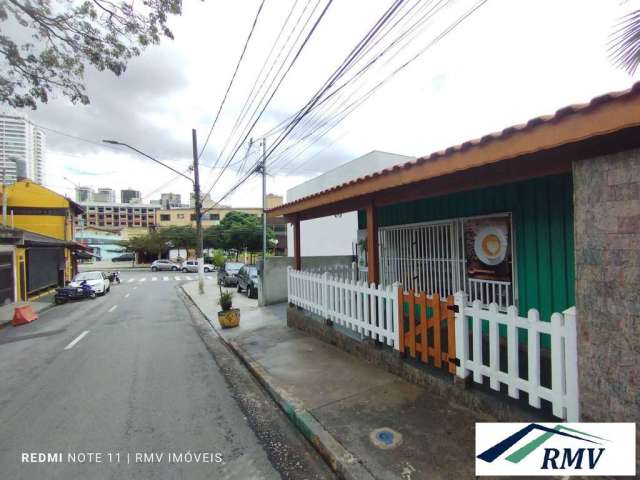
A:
196	190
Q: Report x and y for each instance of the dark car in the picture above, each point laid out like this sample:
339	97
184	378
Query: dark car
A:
228	274
248	280
125	257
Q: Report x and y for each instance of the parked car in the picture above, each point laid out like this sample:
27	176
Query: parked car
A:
98	281
164	265
192	266
228	274
248	280
125	257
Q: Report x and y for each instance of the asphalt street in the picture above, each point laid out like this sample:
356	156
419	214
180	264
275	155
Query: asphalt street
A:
97	384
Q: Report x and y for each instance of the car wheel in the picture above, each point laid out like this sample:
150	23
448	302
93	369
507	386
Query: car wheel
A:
93	296
184	270
154	269
174	269
207	270
108	288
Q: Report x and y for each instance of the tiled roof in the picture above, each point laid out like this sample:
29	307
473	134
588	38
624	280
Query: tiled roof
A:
558	116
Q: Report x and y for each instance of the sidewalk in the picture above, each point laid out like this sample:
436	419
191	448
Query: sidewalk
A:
368	423
40	305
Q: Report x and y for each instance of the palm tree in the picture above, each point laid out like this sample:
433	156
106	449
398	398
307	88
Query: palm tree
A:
624	49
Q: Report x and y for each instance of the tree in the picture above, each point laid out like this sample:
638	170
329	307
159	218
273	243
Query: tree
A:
241	231
182	237
625	43
151	243
53	41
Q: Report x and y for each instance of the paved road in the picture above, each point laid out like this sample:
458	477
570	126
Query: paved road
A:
128	373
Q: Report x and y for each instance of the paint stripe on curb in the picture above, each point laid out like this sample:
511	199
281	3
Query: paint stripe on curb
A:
341	461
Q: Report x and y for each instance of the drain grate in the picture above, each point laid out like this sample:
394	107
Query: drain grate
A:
385	438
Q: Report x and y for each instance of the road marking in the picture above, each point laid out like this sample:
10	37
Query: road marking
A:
143	279
165	278
131	280
177	278
135	288
77	339
112	308
209	277
127	295
153	279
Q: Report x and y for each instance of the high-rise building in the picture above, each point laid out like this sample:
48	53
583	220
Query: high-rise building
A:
129	196
104	195
206	200
21	141
170	200
83	194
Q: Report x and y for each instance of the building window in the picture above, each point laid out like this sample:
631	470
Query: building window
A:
165	217
214	216
180	215
193	217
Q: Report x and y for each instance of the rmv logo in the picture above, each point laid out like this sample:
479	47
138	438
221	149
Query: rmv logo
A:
554	458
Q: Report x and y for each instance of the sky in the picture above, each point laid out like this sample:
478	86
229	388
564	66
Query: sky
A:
511	60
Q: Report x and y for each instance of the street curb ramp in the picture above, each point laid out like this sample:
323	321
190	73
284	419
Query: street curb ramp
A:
345	464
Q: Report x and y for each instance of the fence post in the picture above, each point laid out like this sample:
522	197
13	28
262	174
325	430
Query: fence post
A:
398	334
354	271
571	365
533	337
462	335
557	365
325	295
289	284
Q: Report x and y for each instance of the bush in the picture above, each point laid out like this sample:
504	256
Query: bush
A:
225	300
218	259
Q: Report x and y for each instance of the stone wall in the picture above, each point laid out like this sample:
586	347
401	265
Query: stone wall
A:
607	250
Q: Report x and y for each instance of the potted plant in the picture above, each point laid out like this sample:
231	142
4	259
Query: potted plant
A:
228	317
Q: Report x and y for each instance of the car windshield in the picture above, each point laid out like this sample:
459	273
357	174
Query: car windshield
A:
87	276
233	267
253	272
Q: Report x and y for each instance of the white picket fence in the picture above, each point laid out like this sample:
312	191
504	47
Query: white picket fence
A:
563	393
366	309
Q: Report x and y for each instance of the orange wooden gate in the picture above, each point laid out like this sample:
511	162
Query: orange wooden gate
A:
431	331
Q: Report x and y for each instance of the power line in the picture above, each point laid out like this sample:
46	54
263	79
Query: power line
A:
266	92
304	43
371	91
233	77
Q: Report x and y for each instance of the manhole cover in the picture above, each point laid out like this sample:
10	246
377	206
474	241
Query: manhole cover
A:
385	438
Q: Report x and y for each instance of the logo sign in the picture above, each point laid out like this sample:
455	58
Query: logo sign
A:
550	449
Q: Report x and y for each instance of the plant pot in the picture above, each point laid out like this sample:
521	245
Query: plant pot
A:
229	318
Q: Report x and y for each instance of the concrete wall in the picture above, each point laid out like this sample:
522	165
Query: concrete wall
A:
333	235
275	274
371	162
607	249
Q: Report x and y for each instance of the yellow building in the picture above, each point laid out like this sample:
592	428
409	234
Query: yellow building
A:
212	216
36	241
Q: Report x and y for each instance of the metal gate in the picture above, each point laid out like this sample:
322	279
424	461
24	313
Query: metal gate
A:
6	278
425	257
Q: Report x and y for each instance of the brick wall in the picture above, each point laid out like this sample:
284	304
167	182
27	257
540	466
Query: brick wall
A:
607	249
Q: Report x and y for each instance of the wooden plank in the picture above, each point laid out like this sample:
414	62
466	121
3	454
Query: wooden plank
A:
557	365
424	354
494	346
436	318
451	334
534	358
412	324
401	332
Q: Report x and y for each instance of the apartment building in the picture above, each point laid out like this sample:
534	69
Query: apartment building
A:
102	214
22	148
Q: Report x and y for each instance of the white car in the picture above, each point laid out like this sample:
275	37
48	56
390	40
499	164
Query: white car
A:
192	266
98	281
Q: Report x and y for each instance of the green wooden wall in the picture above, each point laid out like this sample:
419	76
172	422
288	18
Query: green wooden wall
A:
542	215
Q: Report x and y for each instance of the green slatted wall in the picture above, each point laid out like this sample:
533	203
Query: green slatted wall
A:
542	213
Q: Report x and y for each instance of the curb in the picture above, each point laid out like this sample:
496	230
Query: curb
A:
341	461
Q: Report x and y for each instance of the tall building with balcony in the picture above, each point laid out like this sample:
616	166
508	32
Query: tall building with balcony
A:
104	195
170	200
21	142
83	194
119	215
129	196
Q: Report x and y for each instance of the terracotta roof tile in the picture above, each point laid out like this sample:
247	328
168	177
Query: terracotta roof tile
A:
530	124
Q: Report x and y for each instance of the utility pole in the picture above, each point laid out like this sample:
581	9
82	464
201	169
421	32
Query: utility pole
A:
264	201
198	205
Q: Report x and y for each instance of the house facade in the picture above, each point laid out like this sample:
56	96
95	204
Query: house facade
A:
525	245
37	240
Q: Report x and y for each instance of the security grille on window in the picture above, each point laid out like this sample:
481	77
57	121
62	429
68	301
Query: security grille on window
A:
165	217
473	255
